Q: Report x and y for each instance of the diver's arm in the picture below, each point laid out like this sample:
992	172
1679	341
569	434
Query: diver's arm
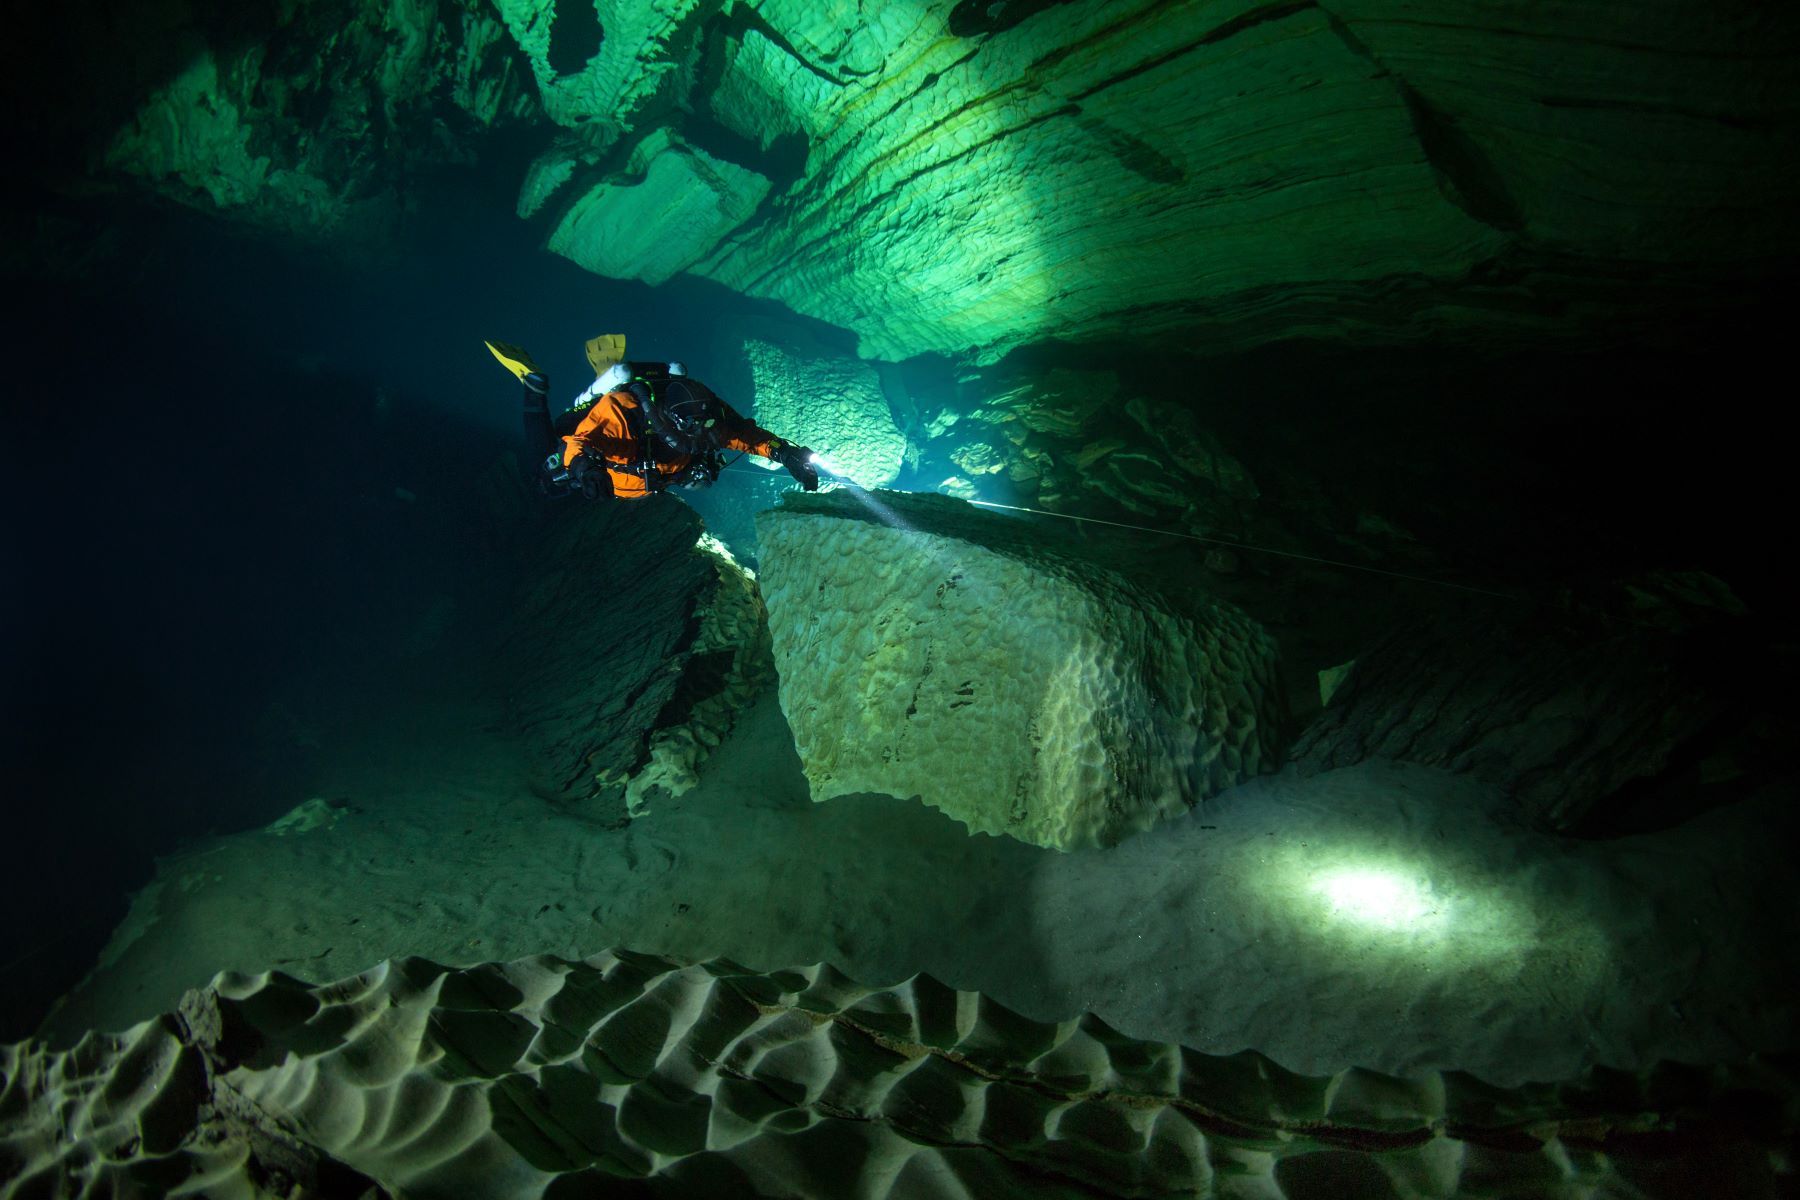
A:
738	432
741	433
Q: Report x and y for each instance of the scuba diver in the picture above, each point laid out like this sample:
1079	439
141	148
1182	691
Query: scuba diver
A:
640	428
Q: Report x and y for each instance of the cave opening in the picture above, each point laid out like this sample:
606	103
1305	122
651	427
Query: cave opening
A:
576	36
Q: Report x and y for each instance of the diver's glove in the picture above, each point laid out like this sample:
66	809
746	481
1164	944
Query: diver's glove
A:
590	477
798	461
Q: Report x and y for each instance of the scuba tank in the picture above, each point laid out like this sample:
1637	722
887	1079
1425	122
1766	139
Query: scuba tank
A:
680	414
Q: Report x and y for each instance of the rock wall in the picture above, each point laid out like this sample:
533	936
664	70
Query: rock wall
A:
321	125
939	176
1079	437
632	647
1570	711
728	663
1239	170
1023	686
546	1077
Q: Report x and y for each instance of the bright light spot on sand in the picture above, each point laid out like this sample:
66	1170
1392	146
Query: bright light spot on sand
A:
1379	899
1388	896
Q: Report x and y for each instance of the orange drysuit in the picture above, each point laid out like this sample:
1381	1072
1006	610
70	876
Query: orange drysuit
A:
606	431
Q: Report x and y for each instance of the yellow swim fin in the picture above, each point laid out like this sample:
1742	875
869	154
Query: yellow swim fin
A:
513	359
605	350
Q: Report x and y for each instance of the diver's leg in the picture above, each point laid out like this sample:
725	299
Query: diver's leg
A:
538	436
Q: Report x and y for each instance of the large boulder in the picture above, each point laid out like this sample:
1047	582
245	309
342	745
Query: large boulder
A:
1004	674
621	679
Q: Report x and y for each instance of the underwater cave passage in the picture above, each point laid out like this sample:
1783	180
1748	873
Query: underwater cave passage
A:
575	37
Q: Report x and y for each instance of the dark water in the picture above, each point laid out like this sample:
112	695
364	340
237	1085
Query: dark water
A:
241	478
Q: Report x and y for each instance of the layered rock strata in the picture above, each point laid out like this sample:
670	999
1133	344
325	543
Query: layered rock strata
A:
1004	674
549	1077
727	664
949	177
1095	170
632	648
672	207
1571	711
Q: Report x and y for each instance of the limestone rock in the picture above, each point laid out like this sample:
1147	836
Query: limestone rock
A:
728	664
1003	674
1566	710
835	405
1102	171
314	129
1086	438
1189	448
621	677
670	208
1062	402
1331	679
316	813
978	458
958	487
1233	149
551	1077
978	222
611	79
545	177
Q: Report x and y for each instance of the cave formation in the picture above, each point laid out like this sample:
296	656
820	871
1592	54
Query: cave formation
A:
1282	694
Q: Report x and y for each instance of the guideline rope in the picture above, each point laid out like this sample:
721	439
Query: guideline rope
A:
1312	558
1195	537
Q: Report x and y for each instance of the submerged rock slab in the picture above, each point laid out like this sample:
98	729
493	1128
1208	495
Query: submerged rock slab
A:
1003	673
550	1077
831	403
670	208
624	677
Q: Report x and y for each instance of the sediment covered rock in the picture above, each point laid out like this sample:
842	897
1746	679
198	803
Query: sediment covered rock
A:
1003	674
835	405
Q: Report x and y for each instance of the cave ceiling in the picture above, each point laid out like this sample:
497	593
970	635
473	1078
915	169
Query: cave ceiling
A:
964	178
